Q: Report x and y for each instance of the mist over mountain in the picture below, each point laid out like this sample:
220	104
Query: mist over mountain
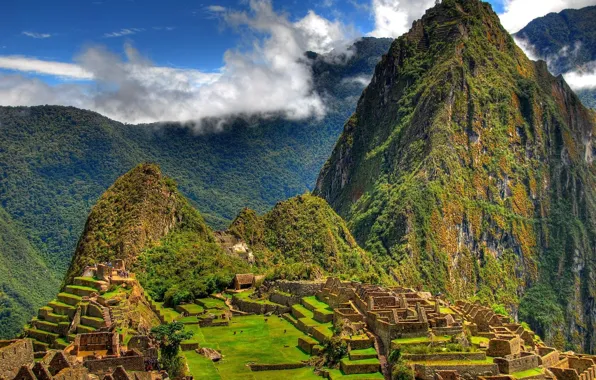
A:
567	42
56	161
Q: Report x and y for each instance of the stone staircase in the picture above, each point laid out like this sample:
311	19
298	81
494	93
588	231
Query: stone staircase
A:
53	328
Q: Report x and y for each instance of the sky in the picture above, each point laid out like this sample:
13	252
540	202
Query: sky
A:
154	60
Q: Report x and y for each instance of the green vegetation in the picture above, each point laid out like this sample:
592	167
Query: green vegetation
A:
184	267
449	172
169	337
302	238
25	280
55	162
249	339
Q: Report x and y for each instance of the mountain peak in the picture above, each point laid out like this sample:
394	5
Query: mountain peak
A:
141	207
460	151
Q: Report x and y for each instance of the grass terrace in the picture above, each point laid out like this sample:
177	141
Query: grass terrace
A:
211	303
192	308
528	373
255	341
335	374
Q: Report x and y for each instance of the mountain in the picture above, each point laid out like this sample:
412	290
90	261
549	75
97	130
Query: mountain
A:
567	41
55	162
139	209
470	169
25	280
303	238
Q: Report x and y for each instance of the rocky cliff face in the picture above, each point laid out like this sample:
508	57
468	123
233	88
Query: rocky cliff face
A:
470	169
141	207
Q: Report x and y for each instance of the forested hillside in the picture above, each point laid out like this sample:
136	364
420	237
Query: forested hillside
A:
470	169
55	162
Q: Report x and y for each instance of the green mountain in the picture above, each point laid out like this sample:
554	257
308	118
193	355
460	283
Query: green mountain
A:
470	169
55	162
567	41
139	209
25	280
303	238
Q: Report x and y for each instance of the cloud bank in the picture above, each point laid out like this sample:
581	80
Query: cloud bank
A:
519	13
270	78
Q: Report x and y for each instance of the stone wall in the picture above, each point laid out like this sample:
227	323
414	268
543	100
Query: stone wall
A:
445	356
427	372
275	367
14	355
300	288
130	363
284	299
352	368
523	363
259	308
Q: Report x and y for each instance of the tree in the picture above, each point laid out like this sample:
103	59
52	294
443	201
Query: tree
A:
170	336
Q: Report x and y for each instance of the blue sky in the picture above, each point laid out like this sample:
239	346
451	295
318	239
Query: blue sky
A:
143	61
174	32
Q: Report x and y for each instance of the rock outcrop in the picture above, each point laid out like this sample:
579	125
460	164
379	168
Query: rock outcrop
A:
470	169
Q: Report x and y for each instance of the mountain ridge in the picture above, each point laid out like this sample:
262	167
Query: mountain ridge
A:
456	169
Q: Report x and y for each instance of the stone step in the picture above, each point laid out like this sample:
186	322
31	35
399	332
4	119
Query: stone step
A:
40	346
88	281
82	329
45	326
81	291
63	309
42	336
69	299
55	318
94	322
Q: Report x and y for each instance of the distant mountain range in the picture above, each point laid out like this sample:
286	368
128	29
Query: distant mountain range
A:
55	162
567	41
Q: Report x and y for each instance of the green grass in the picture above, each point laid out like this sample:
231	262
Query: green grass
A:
79	287
192	308
259	342
212	303
363	352
314	302
421	339
246	296
349	362
169	314
337	374
527	373
304	311
479	339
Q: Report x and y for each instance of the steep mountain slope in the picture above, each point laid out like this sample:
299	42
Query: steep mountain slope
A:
140	208
304	238
25	282
56	161
470	168
567	41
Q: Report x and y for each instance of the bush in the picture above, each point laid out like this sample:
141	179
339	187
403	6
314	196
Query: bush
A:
401	371
334	350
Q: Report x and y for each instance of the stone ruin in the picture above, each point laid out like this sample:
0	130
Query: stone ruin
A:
389	313
93	356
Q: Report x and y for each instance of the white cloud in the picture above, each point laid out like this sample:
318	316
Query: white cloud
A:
395	17
37	35
216	8
32	65
124	32
518	13
271	78
582	79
